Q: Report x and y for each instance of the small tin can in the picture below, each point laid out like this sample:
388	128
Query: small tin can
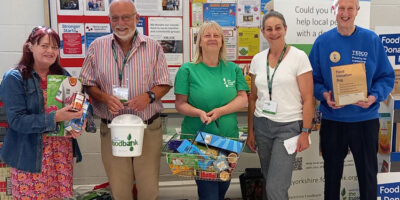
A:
224	176
77	101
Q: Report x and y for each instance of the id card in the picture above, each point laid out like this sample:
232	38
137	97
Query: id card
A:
270	107
121	92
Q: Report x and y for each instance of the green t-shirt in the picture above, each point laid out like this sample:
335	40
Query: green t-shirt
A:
208	88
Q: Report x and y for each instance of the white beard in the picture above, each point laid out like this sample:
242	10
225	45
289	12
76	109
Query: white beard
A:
125	37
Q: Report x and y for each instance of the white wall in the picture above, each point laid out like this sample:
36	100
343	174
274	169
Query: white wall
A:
17	18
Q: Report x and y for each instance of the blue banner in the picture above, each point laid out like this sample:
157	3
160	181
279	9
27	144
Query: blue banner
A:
389	191
391	43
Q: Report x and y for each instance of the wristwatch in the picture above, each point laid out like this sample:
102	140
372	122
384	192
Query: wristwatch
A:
307	130
152	96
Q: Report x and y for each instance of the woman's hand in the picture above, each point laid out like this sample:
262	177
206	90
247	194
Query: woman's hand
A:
215	114
251	142
64	114
302	142
75	134
203	117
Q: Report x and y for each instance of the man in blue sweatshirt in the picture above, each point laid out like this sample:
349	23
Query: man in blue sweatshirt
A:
354	126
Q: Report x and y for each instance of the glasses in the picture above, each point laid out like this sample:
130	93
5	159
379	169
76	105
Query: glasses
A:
124	18
46	47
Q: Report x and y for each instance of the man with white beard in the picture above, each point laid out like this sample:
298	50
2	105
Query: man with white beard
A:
126	73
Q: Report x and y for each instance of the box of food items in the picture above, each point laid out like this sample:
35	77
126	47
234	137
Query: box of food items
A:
205	157
5	180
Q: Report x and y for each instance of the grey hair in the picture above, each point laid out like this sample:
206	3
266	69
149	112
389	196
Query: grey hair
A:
273	13
336	4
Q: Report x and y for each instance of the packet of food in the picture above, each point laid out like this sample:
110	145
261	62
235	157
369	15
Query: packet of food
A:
76	124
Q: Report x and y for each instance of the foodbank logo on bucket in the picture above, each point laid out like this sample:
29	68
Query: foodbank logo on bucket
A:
125	143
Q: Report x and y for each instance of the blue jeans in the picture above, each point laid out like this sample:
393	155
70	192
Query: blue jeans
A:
212	190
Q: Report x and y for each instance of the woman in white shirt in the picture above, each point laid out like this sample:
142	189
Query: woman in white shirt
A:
280	105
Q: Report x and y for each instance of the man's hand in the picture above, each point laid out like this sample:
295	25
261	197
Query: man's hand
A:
139	103
328	98
113	104
366	104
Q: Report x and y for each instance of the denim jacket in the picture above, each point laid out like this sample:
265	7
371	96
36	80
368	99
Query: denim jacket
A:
24	105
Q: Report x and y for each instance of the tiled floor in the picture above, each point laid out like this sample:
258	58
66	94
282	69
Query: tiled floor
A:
178	190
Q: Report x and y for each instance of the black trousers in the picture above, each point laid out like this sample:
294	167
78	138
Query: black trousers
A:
362	139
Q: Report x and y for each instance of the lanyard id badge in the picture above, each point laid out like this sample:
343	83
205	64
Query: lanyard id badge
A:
270	107
121	92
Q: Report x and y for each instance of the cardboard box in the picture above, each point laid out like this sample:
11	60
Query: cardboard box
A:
202	160
220	142
59	90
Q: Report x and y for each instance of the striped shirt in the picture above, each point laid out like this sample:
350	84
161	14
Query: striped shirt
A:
145	68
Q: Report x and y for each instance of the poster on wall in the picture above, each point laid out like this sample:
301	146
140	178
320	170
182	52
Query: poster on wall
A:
69	7
307	19
95	7
230	34
248	42
170	96
168	32
159	7
93	31
223	13
194	31
248	13
266	6
390	37
72	40
197	14
141	25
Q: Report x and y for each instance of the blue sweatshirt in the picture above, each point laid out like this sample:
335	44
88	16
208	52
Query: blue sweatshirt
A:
362	46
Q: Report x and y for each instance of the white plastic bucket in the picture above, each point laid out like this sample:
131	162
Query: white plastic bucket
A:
127	135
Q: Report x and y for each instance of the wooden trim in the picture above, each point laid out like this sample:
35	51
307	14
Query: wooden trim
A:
46	13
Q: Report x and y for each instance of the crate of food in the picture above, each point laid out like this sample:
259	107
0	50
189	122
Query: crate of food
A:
5	180
203	156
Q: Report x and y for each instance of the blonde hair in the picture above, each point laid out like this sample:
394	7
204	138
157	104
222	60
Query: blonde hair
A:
206	26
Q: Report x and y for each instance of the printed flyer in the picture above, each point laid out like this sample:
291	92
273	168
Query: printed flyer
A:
93	31
197	14
230	34
248	13
159	7
69	7
194	31
248	42
72	40
96	7
168	31
223	13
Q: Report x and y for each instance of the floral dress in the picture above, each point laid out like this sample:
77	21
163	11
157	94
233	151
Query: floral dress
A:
55	179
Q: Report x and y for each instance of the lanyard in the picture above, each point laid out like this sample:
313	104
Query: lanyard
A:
273	74
127	57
